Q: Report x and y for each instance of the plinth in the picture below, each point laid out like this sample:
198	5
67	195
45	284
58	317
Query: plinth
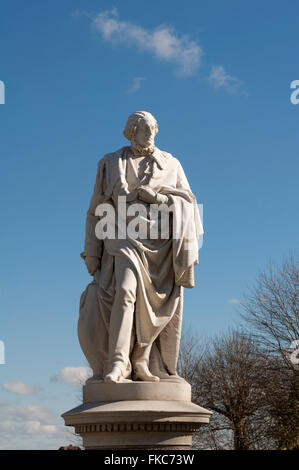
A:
137	415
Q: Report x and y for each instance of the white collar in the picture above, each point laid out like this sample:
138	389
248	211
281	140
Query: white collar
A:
158	156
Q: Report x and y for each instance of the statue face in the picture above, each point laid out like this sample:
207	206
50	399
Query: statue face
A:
146	131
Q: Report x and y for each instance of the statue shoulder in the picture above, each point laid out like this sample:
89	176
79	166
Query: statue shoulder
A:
112	157
170	159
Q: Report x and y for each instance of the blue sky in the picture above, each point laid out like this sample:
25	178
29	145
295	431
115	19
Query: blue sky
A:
217	76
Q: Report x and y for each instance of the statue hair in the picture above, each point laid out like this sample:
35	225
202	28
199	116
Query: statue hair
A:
132	123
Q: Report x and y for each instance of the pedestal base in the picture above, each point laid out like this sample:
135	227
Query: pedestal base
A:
151	419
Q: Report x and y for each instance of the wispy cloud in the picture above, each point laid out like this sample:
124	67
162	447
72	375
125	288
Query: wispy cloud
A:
20	388
77	12
29	412
162	42
7	426
234	301
219	79
135	85
35	427
73	376
31	427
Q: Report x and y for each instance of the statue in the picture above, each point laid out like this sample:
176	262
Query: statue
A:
131	314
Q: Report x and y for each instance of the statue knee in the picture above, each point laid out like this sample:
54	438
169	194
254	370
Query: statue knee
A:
126	295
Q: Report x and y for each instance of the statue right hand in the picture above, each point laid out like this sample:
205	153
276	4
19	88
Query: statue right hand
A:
92	264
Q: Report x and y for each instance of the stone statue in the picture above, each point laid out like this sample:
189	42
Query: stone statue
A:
131	314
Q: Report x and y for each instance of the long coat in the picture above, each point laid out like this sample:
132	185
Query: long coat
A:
163	267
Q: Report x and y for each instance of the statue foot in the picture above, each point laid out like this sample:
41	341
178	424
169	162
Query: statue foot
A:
142	372
114	376
94	379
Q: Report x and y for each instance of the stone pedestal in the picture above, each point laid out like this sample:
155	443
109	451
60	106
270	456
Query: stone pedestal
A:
137	415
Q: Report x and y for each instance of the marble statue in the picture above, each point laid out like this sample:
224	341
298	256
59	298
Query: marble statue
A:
131	314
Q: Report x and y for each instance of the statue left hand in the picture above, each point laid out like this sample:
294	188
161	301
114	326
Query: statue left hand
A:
92	263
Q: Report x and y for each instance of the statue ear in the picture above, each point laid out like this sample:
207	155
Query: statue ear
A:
130	132
126	134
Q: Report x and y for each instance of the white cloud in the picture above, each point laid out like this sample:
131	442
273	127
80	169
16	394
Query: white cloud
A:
19	387
234	301
31	427
3	405
219	79
162	42
7	426
135	85
35	427
82	13
29	412
73	375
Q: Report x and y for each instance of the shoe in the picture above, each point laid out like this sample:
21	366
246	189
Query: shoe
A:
142	372
114	376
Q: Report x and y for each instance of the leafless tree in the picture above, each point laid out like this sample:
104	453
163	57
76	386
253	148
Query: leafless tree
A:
191	351
229	381
271	310
281	426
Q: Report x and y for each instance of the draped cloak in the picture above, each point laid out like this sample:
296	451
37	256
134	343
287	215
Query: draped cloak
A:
163	266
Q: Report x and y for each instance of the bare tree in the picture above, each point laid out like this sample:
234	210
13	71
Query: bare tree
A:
282	419
271	310
229	381
191	351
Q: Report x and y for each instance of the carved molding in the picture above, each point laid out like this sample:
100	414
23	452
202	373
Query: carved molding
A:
138	427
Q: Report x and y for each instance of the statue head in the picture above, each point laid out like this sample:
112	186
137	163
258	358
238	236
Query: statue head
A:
141	128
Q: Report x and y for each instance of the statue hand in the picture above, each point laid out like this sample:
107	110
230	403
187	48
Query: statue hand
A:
147	195
150	196
92	263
